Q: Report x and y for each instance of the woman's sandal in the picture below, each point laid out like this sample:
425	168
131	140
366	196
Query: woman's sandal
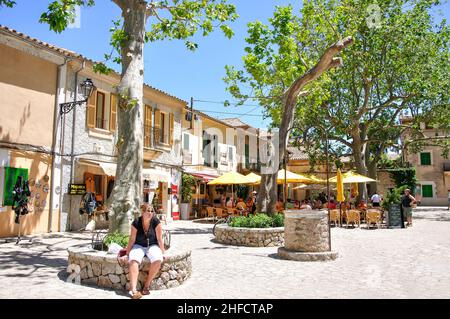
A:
145	291
135	294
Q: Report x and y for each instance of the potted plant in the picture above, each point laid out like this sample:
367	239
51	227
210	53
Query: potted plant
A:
187	190
392	205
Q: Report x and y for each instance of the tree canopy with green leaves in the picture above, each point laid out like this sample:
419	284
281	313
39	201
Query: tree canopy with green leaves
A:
169	19
398	66
281	61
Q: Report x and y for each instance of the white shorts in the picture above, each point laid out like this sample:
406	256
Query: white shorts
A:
138	252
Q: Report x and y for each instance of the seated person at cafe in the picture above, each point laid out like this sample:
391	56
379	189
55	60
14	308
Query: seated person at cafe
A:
345	205
279	206
251	205
362	205
223	200
318	204
241	204
305	205
289	204
296	204
206	200
230	202
332	204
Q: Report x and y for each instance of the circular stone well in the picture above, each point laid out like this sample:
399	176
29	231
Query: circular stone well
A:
306	236
98	268
251	237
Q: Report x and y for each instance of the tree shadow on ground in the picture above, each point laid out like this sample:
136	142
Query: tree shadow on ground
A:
63	275
275	256
192	231
221	246
31	259
434	219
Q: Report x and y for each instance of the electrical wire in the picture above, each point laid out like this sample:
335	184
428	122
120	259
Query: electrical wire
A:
230	113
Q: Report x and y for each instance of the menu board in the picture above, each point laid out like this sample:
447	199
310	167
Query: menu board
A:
395	216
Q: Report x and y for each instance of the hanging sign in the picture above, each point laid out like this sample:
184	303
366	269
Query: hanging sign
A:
77	189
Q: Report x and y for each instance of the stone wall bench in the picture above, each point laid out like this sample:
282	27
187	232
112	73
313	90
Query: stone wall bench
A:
251	237
98	268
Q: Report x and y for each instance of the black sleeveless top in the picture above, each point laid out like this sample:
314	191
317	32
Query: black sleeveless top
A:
406	201
149	238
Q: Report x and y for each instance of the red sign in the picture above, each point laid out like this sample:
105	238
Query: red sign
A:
174	189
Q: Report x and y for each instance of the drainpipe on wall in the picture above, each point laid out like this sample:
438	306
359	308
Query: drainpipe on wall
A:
53	151
72	158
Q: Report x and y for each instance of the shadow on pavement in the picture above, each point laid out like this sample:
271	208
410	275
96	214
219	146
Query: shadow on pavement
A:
193	231
29	262
275	256
38	258
434	219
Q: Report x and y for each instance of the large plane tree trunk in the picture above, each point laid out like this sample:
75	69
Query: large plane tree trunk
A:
126	195
267	196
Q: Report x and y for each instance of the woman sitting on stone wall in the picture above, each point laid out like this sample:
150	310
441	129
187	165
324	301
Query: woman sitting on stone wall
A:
145	240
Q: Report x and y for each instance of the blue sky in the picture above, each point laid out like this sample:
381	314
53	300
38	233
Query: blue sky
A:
169	66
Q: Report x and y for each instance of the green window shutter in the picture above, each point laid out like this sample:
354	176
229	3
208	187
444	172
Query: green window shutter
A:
11	175
427	190
425	158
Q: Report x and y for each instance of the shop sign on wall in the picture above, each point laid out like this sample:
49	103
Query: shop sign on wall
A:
77	189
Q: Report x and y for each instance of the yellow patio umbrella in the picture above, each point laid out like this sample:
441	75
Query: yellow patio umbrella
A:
230	178
351	177
253	178
317	180
340	186
292	177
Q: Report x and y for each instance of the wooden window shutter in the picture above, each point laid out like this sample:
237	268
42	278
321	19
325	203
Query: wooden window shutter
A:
147	125
89	181
90	110
157	134
113	115
171	123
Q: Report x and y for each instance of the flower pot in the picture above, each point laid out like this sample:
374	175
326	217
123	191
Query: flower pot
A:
185	211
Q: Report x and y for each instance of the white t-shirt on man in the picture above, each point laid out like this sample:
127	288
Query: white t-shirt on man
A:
376	198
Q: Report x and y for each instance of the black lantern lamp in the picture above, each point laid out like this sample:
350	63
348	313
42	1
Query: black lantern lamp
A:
86	89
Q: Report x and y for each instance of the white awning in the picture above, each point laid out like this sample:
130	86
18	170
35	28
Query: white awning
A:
155	175
108	168
152	174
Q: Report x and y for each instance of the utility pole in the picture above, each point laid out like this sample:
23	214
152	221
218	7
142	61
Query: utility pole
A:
192	112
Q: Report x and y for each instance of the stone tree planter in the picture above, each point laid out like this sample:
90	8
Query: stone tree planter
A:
98	268
306	236
251	237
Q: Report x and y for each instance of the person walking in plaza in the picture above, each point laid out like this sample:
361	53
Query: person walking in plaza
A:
376	200
407	199
448	199
145	240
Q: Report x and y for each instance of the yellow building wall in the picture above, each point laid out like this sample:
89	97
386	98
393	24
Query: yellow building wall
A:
37	221
27	98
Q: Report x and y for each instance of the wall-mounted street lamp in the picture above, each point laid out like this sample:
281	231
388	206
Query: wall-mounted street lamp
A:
86	89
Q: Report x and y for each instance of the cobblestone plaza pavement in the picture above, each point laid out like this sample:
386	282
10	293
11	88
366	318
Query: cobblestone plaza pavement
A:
376	263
